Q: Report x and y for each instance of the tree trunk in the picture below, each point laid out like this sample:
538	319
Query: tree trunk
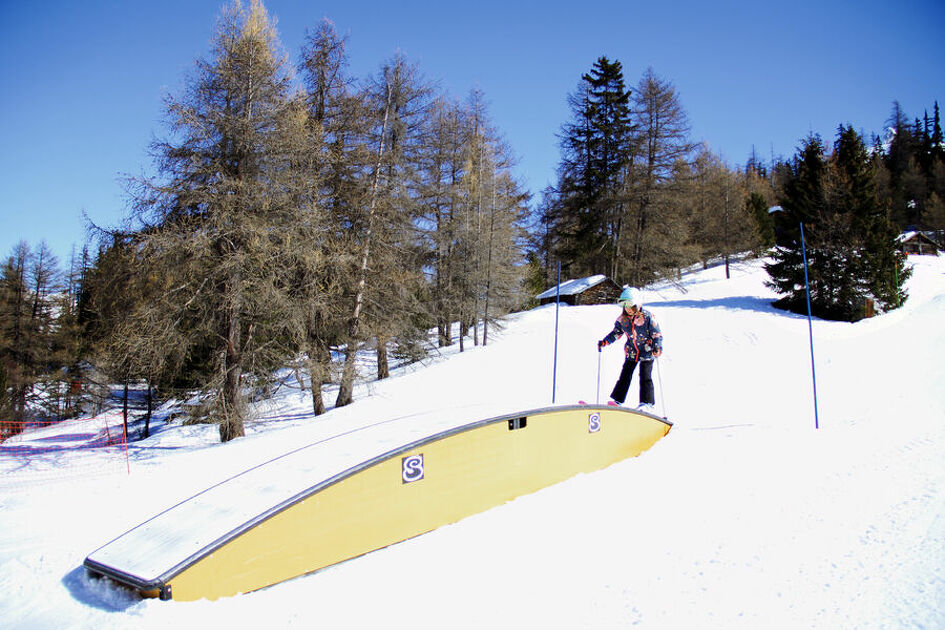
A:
147	417
231	422
383	367
124	407
346	388
485	310
354	324
318	361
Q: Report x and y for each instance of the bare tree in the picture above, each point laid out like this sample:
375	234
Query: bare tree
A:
442	172
719	218
655	229
335	132
219	217
399	98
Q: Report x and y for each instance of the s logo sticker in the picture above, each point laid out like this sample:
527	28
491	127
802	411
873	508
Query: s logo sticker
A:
593	422
412	468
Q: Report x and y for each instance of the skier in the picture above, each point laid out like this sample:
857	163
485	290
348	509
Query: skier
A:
644	343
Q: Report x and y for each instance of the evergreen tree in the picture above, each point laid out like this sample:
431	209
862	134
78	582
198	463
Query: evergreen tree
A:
938	142
596	147
875	247
757	206
804	196
850	244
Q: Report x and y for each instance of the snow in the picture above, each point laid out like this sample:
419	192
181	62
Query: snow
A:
744	516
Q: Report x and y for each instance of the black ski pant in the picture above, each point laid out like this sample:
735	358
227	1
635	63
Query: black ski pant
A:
646	381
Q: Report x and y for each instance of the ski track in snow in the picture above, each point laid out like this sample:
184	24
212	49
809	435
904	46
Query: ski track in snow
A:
744	516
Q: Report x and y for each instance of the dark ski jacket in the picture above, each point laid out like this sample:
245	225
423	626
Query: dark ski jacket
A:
643	335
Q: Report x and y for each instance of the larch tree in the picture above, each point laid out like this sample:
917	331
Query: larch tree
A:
720	222
655	233
441	172
17	330
493	224
30	280
335	132
217	219
397	99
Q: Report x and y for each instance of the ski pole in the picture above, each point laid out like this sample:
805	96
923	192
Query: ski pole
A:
659	377
598	375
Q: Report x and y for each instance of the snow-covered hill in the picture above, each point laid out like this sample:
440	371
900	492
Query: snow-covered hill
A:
744	516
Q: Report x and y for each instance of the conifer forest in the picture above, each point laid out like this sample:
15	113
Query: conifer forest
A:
299	217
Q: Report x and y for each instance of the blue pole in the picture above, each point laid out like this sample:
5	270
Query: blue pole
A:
810	328
554	372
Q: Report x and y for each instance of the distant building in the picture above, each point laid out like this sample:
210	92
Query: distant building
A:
583	291
917	243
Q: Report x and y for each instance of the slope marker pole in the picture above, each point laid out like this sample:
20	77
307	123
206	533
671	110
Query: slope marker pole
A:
554	369
810	328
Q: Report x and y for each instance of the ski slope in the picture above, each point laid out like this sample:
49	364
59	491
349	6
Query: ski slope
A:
757	519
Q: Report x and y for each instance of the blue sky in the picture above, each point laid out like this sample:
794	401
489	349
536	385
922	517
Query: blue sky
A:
83	82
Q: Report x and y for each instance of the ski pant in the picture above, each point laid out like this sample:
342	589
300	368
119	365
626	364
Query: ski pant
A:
646	381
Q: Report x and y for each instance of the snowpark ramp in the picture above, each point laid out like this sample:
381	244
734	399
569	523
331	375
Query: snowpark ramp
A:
295	514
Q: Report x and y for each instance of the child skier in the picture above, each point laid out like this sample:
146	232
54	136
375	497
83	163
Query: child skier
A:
644	343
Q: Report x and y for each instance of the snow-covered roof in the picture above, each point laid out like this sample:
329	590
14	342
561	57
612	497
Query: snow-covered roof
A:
911	234
573	287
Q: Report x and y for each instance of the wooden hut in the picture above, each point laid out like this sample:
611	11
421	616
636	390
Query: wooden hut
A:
917	243
592	290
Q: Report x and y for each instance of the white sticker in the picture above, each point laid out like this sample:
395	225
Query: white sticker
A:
593	422
412	468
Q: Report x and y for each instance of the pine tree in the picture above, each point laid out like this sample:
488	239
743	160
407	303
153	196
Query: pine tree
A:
596	147
879	263
938	142
850	244
804	195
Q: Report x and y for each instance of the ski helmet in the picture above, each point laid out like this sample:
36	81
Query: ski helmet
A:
629	297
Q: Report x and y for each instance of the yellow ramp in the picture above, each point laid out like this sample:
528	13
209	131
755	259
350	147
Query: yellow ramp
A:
207	547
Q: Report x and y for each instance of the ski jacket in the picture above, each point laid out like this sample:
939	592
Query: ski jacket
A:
643	335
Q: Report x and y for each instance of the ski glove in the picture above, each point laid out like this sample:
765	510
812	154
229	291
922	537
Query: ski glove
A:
601	344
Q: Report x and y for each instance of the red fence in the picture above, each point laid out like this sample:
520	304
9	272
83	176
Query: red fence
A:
36	451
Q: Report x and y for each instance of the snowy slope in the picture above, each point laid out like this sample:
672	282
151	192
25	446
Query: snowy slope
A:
744	516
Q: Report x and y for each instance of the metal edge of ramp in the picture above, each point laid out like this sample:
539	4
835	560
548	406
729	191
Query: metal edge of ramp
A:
158	586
